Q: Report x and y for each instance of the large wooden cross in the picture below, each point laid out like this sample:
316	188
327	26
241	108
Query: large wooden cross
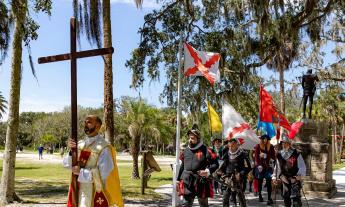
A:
73	56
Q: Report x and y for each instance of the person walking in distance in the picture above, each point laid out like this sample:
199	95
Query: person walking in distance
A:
40	152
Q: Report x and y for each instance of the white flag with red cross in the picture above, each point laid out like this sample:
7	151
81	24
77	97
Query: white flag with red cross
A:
234	126
200	63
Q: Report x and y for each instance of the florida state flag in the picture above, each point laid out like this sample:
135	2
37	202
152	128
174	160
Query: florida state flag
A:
200	63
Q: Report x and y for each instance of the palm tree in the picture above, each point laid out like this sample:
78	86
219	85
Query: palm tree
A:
24	30
89	15
3	106
143	124
282	56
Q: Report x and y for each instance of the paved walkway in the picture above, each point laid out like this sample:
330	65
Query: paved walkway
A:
337	201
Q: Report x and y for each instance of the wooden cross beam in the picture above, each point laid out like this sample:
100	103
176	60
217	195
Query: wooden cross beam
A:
73	56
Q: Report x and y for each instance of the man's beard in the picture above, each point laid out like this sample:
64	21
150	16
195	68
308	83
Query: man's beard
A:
191	144
88	130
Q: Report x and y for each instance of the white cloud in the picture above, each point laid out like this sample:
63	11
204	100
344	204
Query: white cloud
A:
147	4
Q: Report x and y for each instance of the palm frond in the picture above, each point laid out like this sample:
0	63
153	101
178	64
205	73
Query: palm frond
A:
5	26
3	105
134	130
88	14
139	3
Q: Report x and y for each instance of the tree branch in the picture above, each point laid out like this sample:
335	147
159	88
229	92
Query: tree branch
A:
194	25
259	64
308	12
162	12
325	11
334	79
154	19
339	40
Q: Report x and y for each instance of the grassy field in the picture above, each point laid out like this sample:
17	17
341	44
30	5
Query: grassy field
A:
48	183
338	166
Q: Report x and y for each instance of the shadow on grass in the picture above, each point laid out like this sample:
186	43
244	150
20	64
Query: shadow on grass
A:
134	194
32	191
162	179
25	168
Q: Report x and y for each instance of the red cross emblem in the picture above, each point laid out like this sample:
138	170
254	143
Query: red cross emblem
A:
239	129
199	66
198	155
292	161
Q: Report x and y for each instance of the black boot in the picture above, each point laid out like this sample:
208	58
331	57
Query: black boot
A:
270	201
260	198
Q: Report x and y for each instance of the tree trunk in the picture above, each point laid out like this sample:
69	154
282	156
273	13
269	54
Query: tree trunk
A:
163	149
282	91
7	194
174	144
135	155
335	144
108	76
341	143
333	147
141	143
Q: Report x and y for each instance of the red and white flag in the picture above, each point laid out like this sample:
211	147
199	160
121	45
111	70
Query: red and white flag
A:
200	63
234	126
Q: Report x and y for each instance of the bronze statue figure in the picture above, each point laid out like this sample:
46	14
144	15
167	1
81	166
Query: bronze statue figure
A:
309	87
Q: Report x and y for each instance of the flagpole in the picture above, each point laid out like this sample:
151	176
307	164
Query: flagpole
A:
175	198
209	117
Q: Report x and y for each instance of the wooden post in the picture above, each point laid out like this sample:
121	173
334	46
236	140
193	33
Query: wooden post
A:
74	121
143	169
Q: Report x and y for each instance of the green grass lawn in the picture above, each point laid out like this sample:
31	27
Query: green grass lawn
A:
338	166
38	182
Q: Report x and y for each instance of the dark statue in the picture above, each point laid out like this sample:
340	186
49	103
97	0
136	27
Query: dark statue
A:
309	87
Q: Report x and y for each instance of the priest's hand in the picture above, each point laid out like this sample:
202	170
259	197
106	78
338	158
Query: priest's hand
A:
71	143
76	170
298	177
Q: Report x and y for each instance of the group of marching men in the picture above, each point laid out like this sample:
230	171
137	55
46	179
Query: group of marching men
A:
225	169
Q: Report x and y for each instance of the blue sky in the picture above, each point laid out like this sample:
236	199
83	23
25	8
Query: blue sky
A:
52	90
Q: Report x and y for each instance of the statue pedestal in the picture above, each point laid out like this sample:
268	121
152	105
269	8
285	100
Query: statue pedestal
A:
312	140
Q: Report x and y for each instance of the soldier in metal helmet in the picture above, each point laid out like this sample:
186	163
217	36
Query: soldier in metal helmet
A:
309	87
289	170
198	163
233	171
